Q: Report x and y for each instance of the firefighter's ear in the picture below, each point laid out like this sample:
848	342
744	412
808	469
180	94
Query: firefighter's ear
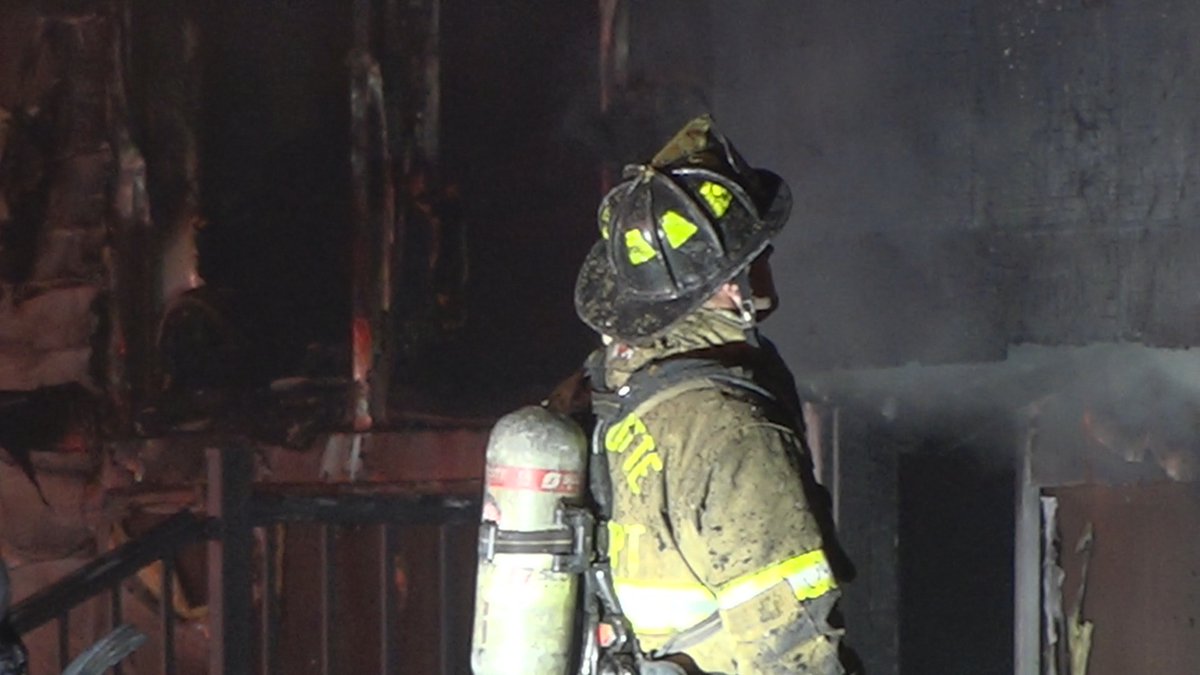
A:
571	396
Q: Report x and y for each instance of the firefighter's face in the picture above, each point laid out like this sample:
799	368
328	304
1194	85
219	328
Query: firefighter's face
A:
762	284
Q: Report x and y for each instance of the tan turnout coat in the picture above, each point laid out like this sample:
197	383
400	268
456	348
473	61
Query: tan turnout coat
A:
710	514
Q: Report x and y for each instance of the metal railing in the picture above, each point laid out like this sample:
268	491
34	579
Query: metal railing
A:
104	575
236	509
388	511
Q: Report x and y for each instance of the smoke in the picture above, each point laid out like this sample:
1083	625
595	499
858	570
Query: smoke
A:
966	174
871	123
1109	413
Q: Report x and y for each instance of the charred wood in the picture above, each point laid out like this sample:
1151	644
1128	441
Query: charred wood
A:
374	227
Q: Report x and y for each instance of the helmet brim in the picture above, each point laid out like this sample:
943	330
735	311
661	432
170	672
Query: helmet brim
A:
609	309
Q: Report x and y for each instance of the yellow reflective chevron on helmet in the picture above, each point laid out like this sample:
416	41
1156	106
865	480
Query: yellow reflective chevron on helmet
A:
640	250
717	196
605	219
808	574
677	228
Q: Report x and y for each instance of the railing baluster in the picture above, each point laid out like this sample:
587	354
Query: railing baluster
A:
328	598
444	616
166	619
116	615
230	577
64	640
387	610
270	600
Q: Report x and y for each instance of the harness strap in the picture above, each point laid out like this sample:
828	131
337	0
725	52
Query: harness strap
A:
664	380
691	636
571	542
493	540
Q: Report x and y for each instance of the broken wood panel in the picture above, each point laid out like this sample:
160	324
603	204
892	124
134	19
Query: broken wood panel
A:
1143	583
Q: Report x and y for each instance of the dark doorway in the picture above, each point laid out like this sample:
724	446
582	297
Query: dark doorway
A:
956	562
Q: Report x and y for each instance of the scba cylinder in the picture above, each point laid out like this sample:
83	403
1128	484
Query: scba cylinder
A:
524	609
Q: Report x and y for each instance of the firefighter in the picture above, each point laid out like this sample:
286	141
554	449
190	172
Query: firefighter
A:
720	560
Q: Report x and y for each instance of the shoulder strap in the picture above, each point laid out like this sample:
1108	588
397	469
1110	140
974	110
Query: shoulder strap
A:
644	390
667	379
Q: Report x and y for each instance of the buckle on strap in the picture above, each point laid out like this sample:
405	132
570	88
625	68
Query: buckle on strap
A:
625	645
570	542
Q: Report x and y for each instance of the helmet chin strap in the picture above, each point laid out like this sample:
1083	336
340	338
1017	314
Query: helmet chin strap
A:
745	296
746	306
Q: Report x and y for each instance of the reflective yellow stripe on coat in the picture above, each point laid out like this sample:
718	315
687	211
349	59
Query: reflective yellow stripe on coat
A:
654	607
808	574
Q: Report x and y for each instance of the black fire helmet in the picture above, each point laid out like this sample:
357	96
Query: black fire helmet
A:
673	231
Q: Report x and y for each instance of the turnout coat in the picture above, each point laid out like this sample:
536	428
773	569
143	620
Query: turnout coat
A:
715	547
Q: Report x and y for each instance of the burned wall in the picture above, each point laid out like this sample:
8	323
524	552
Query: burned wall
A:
501	209
95	236
56	163
971	173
